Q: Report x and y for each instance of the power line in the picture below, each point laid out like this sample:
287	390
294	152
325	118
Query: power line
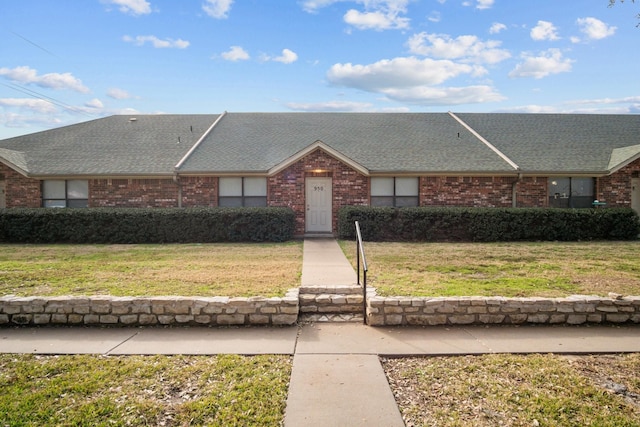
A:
46	98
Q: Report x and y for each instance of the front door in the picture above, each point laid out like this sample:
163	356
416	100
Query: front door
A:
635	194
319	215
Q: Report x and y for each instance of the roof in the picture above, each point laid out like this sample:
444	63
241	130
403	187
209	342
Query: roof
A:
143	145
379	142
541	143
373	143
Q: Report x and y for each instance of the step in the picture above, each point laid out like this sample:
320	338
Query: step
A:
331	289
330	303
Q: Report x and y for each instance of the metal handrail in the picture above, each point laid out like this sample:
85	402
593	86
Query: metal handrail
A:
360	254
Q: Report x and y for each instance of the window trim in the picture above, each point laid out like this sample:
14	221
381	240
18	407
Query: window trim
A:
67	200
245	200
395	197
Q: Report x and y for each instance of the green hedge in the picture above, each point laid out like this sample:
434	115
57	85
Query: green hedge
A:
153	225
488	224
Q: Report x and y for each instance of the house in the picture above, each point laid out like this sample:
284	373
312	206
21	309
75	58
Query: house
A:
317	162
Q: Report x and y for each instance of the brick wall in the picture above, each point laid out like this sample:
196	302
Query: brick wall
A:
21	192
615	189
199	191
287	188
133	193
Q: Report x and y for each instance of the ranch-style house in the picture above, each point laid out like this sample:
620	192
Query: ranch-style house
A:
316	163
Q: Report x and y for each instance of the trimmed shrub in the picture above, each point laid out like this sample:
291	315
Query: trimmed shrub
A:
488	224
153	225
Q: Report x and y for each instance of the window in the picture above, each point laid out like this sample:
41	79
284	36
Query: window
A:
567	192
238	192
397	192
58	193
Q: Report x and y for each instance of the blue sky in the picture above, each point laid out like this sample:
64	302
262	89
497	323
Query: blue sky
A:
67	61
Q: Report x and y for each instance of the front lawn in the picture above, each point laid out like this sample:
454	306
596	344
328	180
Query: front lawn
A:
151	270
225	390
517	390
523	269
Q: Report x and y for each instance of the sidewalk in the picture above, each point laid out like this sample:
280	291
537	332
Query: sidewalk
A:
337	378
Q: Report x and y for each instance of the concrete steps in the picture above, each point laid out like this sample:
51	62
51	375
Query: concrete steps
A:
320	303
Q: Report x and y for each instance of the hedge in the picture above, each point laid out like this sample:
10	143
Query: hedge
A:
488	224
152	225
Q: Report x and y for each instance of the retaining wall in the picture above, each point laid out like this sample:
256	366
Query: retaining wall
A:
573	310
381	311
134	311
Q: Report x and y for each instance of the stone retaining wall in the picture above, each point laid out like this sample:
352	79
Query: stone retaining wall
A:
573	310
146	311
381	311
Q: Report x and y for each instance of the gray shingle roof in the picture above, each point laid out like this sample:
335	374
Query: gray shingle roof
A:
378	142
558	142
113	145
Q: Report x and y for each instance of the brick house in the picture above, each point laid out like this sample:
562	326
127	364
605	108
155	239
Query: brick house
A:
317	162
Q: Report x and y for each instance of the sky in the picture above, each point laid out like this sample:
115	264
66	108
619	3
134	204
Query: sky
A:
69	61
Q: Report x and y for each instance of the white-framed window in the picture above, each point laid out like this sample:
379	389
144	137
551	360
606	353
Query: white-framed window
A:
238	192
571	192
60	193
395	191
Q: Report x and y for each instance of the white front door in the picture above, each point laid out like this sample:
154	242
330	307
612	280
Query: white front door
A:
318	195
635	194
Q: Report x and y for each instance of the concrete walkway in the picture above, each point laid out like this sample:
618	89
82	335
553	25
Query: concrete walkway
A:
337	378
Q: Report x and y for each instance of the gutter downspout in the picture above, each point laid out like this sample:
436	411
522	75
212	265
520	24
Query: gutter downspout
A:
514	191
176	179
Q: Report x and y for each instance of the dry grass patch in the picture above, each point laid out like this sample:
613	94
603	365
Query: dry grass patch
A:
512	390
522	269
139	270
225	390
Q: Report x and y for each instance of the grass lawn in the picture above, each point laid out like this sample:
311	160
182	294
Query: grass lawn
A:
545	269
143	390
516	390
151	270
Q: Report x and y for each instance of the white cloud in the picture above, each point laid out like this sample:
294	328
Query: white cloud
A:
544	31
36	105
156	42
376	20
466	48
412	80
547	63
479	4
377	14
218	9
595	29
497	27
433	96
116	93
434	16
287	57
397	72
484	4
236	53
95	103
330	106
29	75
132	7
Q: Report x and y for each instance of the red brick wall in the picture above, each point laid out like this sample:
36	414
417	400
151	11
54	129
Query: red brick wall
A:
615	189
287	188
532	192
199	191
133	193
466	191
21	192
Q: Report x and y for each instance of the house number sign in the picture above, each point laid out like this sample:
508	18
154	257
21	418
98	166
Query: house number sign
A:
318	188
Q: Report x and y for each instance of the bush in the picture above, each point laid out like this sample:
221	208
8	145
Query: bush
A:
488	224
153	225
